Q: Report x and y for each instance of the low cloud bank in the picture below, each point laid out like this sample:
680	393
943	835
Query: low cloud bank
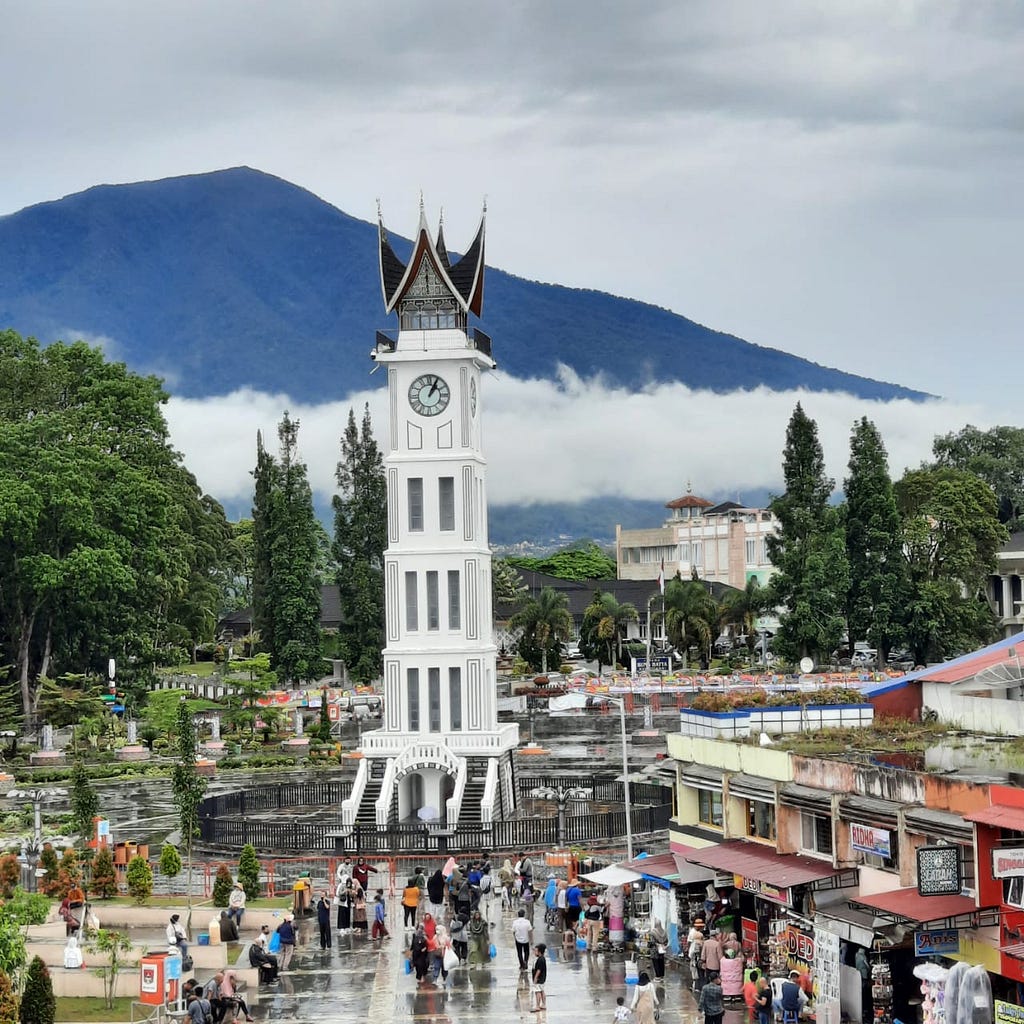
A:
571	439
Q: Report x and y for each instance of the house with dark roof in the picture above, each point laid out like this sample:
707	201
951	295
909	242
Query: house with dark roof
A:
237	624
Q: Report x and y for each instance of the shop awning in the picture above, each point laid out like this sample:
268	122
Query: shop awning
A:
615	874
909	906
1015	950
783	870
669	869
999	815
849	923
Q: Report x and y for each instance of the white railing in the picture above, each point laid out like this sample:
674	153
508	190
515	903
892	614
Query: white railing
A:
427	752
350	805
453	805
382	805
490	792
382	744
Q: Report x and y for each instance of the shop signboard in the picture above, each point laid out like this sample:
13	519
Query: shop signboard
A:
826	977
938	871
941	942
870	840
763	889
799	948
748	936
1008	862
1008	1013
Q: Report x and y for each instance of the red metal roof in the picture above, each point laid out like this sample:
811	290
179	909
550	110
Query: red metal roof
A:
1000	816
689	501
910	905
762	863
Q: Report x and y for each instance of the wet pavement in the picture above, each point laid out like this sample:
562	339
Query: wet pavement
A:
361	979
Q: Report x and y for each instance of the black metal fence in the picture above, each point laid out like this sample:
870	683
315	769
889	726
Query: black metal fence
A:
224	822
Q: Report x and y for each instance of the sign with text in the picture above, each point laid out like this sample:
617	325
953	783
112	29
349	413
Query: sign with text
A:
826	977
1008	862
944	942
763	889
938	871
799	948
870	840
1008	1013
656	665
748	936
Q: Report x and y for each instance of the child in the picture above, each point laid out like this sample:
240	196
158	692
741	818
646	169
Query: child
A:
623	1015
539	977
380	930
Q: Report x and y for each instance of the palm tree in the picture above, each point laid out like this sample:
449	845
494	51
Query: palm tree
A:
741	608
605	623
545	622
691	617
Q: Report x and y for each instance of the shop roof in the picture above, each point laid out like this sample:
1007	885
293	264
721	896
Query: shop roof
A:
908	905
670	867
752	860
999	815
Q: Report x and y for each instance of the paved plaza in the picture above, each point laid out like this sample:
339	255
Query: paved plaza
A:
360	979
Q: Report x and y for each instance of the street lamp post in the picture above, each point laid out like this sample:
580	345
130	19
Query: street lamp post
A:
563	794
33	847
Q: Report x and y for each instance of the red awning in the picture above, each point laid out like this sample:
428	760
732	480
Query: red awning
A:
752	860
909	905
999	815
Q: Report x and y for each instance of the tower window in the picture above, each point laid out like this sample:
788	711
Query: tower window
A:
454	600
412	686
446	500
416	504
412	616
433	602
455	698
434	698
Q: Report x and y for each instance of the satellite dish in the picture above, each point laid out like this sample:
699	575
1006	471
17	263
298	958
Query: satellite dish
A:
806	665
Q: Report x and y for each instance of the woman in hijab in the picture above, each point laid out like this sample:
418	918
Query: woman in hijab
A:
435	894
429	925
479	940
464	898
659	944
441	944
419	954
459	931
506	878
343	901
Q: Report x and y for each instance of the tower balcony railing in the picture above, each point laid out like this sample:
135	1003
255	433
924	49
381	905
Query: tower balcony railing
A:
481	342
390	744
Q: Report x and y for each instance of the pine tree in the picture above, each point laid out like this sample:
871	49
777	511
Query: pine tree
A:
139	878
170	861
872	525
249	871
38	1003
360	537
265	477
223	883
85	803
104	876
811	576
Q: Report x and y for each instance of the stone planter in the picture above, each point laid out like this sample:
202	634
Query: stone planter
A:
133	752
714	725
777	721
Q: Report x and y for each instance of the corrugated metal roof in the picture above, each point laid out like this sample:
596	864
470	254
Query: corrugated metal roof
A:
752	860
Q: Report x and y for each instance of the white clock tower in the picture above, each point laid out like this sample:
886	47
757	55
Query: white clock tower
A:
440	754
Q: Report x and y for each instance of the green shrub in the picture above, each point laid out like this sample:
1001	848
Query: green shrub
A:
104	875
170	860
10	875
38	1004
249	871
222	886
8	1000
139	877
50	882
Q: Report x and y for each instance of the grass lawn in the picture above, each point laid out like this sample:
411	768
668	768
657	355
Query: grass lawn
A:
89	1008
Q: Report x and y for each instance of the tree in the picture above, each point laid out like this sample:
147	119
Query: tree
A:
951	533
877	591
811	576
286	590
545	623
223	883
691	618
323	729
741	608
49	883
10	875
507	587
38	1003
170	861
8	1000
103	882
85	802
249	871
69	874
995	456
188	787
360	537
584	560
115	946
139	879
605	622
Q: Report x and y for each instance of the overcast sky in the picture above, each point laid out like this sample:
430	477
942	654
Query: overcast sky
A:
842	180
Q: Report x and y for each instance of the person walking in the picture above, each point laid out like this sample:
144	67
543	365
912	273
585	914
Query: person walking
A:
435	895
710	1001
539	978
522	932
441	945
236	903
694	951
323	920
380	927
410	903
659	946
479	940
286	929
460	936
343	900
419	954
645	1000
710	956
359	910
592	919
528	902
506	880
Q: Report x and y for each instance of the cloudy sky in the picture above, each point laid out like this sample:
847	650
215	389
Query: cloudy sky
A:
838	179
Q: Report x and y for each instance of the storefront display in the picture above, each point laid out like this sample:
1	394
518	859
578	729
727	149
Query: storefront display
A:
881	992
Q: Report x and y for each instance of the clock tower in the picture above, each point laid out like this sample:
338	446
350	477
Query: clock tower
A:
440	754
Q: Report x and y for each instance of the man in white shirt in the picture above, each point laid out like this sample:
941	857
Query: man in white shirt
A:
236	904
522	931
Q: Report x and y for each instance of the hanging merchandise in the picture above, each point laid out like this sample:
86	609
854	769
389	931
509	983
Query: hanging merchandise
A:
881	992
933	994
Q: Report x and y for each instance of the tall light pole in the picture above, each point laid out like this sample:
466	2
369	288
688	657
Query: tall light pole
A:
625	769
34	845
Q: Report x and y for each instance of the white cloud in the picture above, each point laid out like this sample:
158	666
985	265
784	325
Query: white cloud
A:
571	439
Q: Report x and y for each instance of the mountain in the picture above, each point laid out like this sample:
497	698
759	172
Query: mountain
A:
235	278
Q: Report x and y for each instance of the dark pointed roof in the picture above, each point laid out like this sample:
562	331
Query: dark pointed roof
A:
465	279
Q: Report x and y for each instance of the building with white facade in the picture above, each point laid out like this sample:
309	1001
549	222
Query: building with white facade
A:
440	754
1004	589
723	543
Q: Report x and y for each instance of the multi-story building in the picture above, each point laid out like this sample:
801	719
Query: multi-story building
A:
1006	587
723	543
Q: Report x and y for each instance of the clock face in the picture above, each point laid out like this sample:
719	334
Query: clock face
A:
429	395
472	397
